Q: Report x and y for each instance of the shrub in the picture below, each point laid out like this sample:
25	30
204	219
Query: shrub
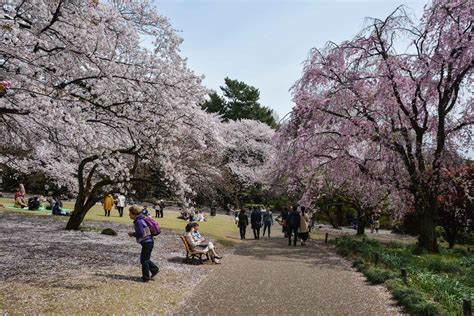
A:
393	260
410	298
109	232
394	245
466	261
418	251
376	275
344	242
343	252
429	308
443	288
438	265
358	264
466	238
440	232
460	252
437	283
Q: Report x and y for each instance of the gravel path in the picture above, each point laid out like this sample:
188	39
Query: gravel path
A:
268	277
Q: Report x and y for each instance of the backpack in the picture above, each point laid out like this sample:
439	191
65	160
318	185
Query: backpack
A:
154	227
33	203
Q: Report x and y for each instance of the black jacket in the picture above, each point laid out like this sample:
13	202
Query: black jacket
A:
294	219
256	217
243	220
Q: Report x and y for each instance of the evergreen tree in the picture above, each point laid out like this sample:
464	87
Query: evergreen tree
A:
239	101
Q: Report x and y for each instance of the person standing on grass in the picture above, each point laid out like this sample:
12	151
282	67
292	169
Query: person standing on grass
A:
108	204
145	239
156	207
267	221
162	208
304	227
293	225
243	223
120	203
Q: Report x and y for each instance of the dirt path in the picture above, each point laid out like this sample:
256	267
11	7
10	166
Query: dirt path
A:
47	270
268	277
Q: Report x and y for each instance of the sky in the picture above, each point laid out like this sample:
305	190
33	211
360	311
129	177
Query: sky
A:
265	42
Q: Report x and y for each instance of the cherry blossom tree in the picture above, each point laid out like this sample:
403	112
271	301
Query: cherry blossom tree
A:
391	115
354	190
248	149
88	103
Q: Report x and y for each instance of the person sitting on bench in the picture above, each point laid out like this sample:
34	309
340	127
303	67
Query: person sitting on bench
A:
195	242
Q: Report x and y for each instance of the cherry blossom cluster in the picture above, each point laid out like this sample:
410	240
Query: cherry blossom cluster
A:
380	122
98	92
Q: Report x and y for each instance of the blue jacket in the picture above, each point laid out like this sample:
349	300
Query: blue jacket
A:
142	232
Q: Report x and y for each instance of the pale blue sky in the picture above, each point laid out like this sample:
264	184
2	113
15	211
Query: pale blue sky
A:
265	42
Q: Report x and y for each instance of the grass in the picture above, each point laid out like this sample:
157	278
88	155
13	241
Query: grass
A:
436	283
220	227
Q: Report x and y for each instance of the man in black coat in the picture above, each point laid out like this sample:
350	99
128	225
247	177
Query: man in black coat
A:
256	222
293	225
243	222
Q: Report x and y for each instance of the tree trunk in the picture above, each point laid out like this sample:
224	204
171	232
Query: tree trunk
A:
360	223
332	221
81	207
76	219
450	235
339	215
427	238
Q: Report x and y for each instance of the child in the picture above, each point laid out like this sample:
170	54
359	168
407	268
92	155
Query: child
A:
144	238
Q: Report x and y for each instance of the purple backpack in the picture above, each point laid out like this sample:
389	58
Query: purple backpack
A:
154	227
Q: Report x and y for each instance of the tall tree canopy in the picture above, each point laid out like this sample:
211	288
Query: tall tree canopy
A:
84	102
392	116
239	101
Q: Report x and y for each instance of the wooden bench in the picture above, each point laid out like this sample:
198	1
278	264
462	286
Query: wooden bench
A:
193	253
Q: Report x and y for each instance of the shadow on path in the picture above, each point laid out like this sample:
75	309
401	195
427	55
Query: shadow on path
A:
120	277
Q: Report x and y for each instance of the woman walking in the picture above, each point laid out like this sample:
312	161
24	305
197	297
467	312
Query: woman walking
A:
108	204
267	221
303	229
145	239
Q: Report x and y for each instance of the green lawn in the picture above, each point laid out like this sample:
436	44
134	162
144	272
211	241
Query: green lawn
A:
221	227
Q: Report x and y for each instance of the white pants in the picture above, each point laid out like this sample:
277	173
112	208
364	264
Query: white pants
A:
209	246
